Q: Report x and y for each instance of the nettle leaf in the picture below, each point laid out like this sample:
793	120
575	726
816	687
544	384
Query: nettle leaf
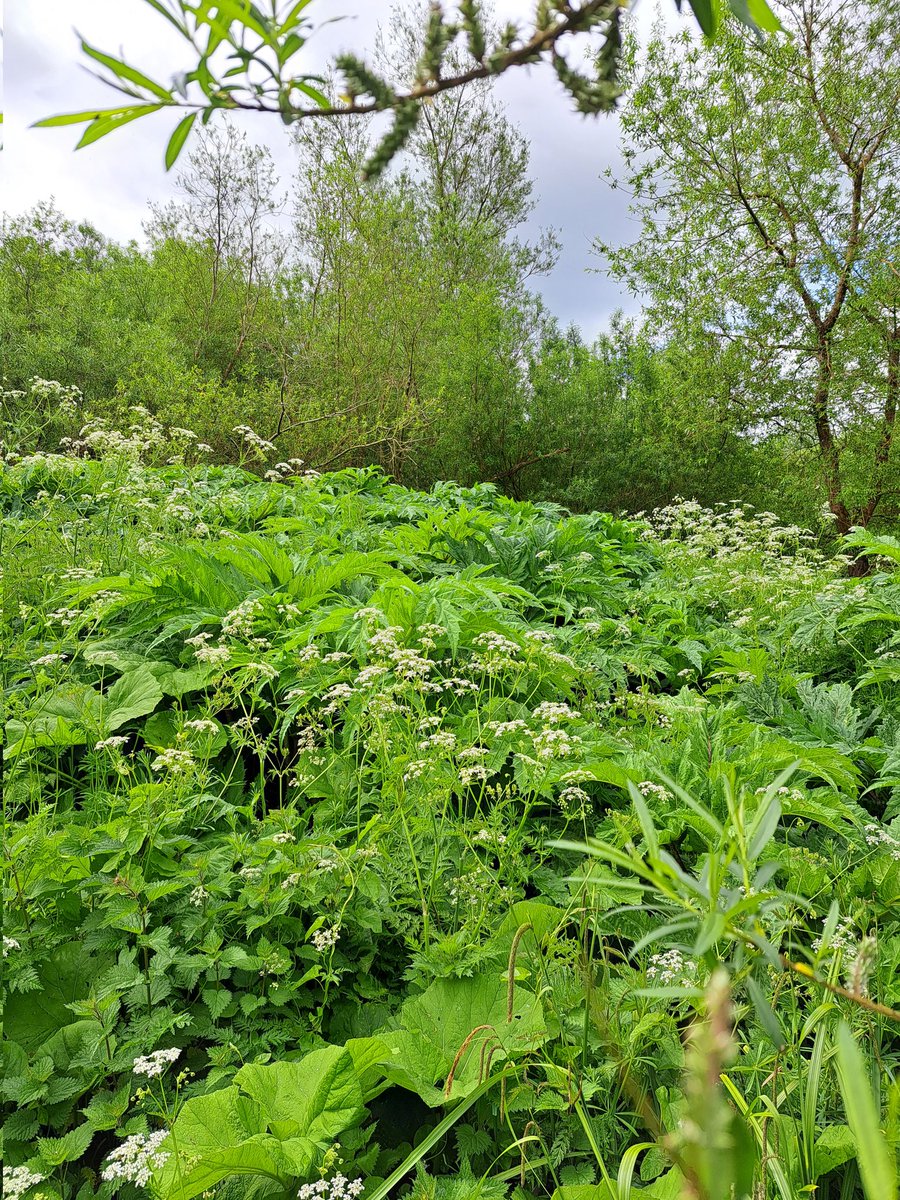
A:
68	1148
216	1000
106	1109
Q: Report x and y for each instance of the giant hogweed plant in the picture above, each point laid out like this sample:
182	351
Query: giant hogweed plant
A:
426	825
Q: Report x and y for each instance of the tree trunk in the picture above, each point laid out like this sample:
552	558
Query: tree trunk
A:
828	448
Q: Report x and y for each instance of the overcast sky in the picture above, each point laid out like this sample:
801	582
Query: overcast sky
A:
111	183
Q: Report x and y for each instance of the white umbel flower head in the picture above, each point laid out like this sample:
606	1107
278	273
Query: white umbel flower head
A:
136	1159
154	1064
339	1187
18	1180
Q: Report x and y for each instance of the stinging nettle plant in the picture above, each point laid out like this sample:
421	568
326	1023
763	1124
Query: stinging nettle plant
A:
245	60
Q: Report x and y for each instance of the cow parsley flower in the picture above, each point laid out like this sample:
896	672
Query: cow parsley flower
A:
17	1181
202	725
339	1187
877	836
154	1064
671	967
9	944
179	762
116	742
47	660
137	1158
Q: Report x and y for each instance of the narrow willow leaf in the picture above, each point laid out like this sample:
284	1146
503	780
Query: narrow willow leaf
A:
178	138
101	126
123	71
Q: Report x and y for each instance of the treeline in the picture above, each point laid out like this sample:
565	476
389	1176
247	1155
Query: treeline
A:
395	323
399	335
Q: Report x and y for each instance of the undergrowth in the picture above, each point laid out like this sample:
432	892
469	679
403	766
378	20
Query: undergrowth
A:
361	841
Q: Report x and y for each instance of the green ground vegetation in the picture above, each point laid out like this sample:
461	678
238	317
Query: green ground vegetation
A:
363	840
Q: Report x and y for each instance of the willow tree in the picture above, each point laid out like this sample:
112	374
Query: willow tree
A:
766	176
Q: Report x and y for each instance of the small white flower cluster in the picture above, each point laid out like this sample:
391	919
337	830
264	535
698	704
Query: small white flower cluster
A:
80	573
878	836
281	470
261	670
648	788
371	674
256	444
428	635
339	1187
154	1064
574	802
326	939
670	967
843	938
17	1181
367	614
552	713
9	944
496	653
415	769
504	728
67	395
442	739
202	725
489	836
538	635
459	686
238	622
283	837
65	617
48	660
204	653
198	895
337	695
406	662
554	743
477	773
177	762
116	742
137	1158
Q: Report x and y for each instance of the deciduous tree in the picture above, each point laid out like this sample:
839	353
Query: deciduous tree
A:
766	174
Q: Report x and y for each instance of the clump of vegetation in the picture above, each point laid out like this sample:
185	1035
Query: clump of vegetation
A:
362	841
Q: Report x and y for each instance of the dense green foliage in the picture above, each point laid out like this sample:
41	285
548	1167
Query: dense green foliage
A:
419	829
462	376
367	835
764	175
